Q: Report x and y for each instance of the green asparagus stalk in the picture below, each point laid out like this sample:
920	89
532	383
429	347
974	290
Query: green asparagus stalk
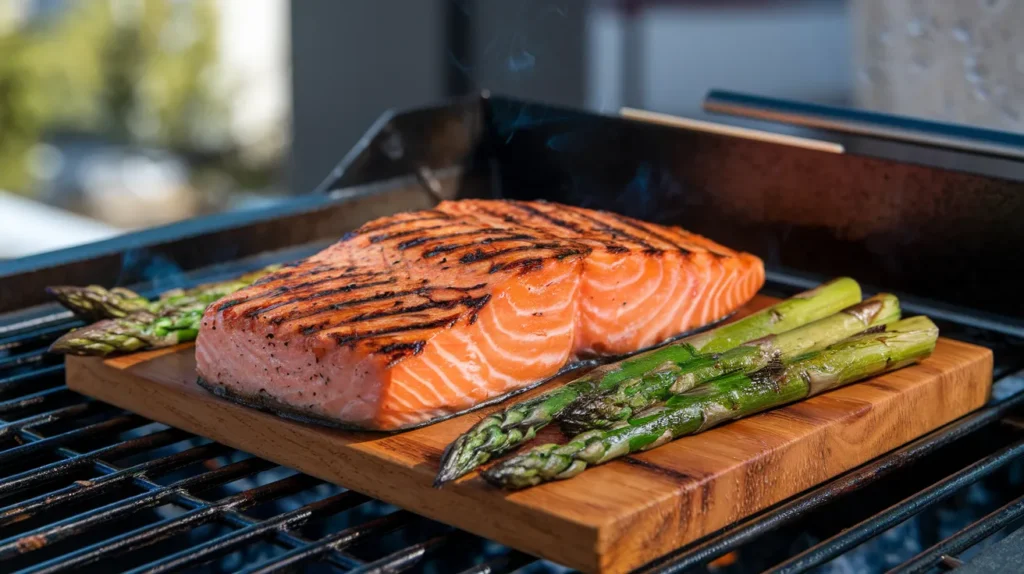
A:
722	399
503	431
604	410
137	332
93	302
133	323
208	293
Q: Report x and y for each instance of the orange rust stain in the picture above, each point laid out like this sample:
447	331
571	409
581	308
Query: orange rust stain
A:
723	561
17	517
30	543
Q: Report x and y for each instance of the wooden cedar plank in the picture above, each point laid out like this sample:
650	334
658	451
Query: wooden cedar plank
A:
611	518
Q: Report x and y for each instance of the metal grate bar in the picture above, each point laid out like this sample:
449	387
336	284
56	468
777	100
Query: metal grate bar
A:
398	561
60	530
183	498
59	469
334	555
14	383
116	424
20	426
33	399
147	535
81	490
508	562
36	336
222	544
747	530
24	331
949	562
176	493
30	358
964	539
289	539
337	541
832	547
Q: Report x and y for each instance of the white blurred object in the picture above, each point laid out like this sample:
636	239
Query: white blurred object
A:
254	71
12	15
666	56
135	190
28	227
955	61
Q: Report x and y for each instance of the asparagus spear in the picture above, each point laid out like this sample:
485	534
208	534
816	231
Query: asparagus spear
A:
728	397
605	410
172	319
502	431
136	332
210	292
93	302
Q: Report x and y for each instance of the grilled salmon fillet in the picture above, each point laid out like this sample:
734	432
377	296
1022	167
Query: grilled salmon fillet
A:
420	315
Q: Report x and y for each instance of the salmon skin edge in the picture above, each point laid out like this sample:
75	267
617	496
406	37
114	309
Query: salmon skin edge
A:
267	404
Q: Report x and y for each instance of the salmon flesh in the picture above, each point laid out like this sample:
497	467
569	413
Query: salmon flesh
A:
420	315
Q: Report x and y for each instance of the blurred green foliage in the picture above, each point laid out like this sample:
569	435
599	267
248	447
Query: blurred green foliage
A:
133	72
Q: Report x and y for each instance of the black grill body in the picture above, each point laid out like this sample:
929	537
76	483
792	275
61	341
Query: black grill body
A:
87	486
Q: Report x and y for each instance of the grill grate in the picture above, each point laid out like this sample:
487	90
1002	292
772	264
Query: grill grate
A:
84	485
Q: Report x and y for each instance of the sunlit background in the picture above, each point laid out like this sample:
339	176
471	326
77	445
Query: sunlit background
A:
122	114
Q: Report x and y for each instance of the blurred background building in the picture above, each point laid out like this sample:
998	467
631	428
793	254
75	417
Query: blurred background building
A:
121	114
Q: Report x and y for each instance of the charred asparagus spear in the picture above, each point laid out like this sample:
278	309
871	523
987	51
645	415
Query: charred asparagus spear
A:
728	397
502	431
93	302
172	319
606	409
137	332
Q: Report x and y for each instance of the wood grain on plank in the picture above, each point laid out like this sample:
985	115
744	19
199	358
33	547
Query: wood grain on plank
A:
612	518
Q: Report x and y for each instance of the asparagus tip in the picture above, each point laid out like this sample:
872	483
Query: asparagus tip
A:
513	474
456	461
62	346
55	290
65	295
71	344
440	481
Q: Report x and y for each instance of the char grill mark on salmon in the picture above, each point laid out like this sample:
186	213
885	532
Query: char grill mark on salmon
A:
400	234
395	220
394	305
287	297
356	336
445	249
560	228
639	226
597	225
534	211
420	241
284	287
421	315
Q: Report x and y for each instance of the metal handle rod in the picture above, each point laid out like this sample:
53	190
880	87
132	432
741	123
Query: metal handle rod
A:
860	122
728	130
